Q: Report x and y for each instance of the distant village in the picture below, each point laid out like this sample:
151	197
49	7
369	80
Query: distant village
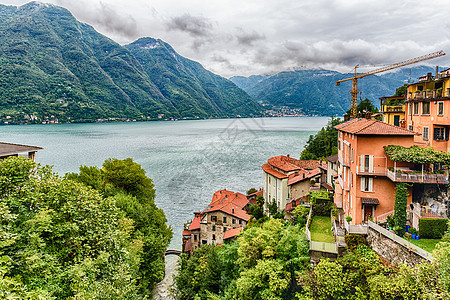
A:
407	142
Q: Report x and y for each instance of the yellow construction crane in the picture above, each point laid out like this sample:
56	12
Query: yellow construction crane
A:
354	91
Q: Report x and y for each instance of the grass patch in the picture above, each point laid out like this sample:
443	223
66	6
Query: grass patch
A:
321	229
425	244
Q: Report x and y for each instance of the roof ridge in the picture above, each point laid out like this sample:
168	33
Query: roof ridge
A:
366	125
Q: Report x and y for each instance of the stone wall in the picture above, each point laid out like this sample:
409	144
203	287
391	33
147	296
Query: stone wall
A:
393	248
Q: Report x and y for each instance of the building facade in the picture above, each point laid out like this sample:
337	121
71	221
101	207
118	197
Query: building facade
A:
364	190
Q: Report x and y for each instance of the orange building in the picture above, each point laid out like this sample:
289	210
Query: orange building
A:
428	110
365	189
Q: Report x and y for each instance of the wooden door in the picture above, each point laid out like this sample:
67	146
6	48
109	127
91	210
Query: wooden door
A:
368	212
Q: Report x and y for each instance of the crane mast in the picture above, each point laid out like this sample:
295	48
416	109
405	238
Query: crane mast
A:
354	91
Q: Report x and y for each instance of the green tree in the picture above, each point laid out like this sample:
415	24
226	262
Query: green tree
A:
401	198
324	143
363	107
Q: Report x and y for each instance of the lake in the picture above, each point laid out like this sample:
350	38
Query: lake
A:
187	160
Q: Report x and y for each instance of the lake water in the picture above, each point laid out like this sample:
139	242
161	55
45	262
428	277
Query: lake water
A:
187	160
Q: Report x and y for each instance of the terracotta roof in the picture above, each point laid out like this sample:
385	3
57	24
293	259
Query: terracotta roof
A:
186	233
372	127
232	233
284	163
188	246
327	186
195	224
332	158
7	149
268	169
300	176
256	194
219	195
372	201
231	204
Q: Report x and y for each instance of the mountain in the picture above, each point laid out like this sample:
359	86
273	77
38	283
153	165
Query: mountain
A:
315	92
53	65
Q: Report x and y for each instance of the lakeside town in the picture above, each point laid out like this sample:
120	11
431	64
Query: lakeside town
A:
388	183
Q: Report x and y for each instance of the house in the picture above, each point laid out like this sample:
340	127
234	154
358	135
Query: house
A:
276	174
364	190
8	149
300	183
393	110
225	212
428	110
332	169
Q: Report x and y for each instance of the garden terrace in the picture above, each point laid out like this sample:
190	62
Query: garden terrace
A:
417	165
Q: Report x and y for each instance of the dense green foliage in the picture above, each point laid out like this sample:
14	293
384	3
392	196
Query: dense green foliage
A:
264	263
363	107
133	192
61	239
401	199
416	154
54	67
324	143
432	228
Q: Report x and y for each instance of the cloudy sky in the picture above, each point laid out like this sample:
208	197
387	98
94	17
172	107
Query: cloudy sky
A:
245	37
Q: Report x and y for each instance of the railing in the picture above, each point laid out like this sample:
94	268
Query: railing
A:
401	241
378	167
383	217
323	247
355	229
417	177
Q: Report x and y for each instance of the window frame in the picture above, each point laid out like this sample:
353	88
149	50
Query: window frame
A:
427	136
439	106
423	108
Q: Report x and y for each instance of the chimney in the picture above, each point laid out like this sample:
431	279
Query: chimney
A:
368	115
437	72
429	76
288	156
304	175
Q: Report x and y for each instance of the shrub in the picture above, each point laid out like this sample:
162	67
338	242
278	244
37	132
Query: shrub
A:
322	209
413	230
432	228
348	218
401	198
353	241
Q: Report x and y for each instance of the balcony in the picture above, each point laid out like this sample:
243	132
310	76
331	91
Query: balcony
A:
411	176
431	94
376	166
397	108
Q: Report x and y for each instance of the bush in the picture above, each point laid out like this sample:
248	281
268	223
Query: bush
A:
353	241
348	218
322	209
432	228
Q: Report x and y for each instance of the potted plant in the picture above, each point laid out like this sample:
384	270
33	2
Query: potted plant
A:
348	219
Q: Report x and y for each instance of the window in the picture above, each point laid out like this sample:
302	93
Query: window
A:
425	108
214	228
410	109
224	219
425	133
410	127
440	108
204	242
195	237
366	163
234	221
366	184
440	134
224	229
214	237
240	221
213	218
416	108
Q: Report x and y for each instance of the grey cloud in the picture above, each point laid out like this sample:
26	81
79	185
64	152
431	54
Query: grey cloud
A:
248	38
103	15
195	26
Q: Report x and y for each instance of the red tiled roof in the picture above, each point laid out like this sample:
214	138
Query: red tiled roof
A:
294	178
372	127
231	204
219	195
256	194
186	233
188	246
333	158
327	186
284	163
268	169
232	233
195	224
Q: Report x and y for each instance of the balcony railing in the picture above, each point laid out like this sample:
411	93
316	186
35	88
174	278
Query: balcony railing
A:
416	177
433	94
355	229
377	166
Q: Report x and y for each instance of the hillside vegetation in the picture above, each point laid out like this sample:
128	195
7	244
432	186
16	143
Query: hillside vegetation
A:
54	67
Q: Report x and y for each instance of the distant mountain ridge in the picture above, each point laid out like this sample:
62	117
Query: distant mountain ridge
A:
52	66
314	91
